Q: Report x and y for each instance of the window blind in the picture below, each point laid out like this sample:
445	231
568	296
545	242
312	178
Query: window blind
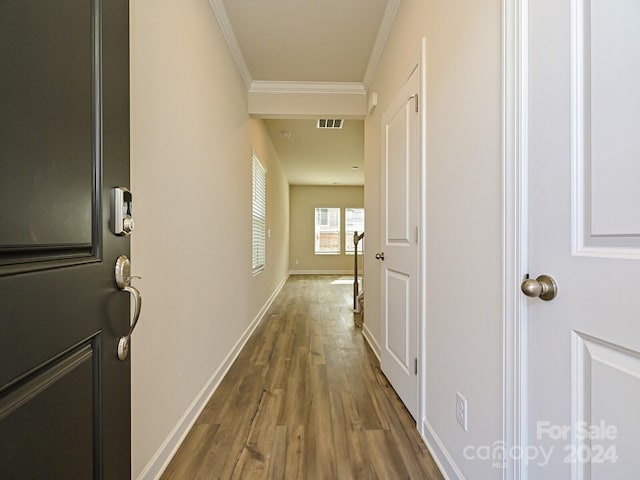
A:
259	215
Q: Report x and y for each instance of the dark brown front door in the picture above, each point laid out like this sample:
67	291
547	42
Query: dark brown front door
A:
64	143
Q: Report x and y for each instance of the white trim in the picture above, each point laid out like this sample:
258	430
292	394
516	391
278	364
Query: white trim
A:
608	252
580	399
320	272
371	340
578	174
422	244
372	102
234	47
164	454
351	88
514	211
381	40
439	452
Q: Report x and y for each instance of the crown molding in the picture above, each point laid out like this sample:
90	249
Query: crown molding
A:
351	88
381	41
227	31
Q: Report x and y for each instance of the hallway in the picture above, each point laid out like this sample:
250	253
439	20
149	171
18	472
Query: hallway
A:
305	399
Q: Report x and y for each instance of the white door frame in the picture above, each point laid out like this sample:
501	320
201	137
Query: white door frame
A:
515	231
421	59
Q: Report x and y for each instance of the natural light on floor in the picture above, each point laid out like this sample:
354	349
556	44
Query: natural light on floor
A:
345	281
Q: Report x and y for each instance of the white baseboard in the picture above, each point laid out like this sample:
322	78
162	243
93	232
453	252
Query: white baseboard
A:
320	272
169	447
446	464
366	333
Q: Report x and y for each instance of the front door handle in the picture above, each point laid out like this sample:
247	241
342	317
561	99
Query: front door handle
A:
123	281
380	256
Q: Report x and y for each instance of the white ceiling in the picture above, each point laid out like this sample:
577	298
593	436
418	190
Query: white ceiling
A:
309	41
306	40
319	157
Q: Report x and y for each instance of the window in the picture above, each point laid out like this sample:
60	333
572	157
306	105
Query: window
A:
327	231
259	215
353	222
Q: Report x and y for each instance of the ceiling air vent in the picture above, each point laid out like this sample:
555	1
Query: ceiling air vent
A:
330	122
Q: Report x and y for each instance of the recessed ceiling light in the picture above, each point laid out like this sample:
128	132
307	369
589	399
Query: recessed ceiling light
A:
286	135
355	167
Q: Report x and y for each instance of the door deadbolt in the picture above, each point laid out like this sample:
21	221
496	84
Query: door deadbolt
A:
121	211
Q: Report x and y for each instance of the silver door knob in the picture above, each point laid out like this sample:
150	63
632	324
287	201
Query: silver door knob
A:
544	287
380	256
123	281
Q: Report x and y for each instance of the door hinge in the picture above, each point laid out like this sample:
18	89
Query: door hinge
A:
417	234
417	102
415	366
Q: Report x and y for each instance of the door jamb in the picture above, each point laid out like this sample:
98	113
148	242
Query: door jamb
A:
421	414
515	233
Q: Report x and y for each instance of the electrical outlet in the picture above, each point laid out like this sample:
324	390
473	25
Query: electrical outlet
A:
461	411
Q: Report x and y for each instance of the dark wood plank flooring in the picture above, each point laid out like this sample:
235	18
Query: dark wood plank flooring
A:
305	400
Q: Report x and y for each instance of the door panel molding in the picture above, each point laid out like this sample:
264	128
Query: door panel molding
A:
34	248
600	366
72	382
397	343
597	139
397	225
42	378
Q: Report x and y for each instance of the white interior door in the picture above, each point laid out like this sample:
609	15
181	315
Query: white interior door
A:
400	197
583	347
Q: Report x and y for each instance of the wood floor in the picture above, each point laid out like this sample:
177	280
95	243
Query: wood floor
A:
305	400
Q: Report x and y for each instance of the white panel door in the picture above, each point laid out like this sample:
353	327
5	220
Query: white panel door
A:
583	347
400	196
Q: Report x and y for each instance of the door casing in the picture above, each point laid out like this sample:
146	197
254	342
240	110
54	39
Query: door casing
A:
515	230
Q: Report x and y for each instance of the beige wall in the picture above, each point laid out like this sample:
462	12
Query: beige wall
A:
463	323
277	262
191	144
304	200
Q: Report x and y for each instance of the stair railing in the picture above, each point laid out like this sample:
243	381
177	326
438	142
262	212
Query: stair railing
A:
356	286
